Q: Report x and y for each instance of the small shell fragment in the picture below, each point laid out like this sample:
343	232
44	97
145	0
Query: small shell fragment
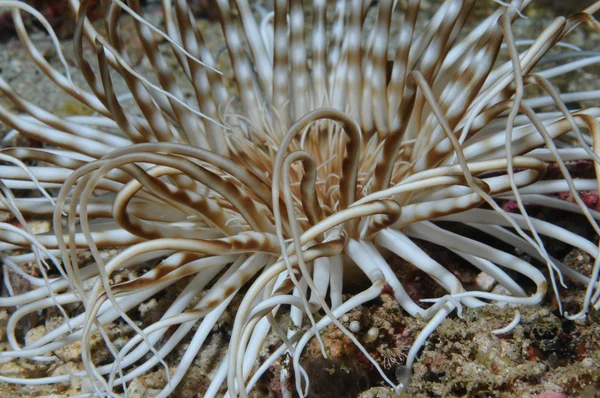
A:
354	326
371	335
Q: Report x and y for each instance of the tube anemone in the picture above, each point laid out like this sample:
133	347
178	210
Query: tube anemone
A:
335	152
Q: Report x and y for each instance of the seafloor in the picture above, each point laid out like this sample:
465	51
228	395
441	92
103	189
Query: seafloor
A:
544	354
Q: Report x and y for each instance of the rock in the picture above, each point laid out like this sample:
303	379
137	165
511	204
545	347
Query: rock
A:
484	282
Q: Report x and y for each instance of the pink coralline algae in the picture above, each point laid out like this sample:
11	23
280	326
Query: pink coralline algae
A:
552	394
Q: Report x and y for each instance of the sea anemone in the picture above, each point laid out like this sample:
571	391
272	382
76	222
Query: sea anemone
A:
334	153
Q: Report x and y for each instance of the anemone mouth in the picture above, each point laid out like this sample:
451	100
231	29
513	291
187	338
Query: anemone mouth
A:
324	156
